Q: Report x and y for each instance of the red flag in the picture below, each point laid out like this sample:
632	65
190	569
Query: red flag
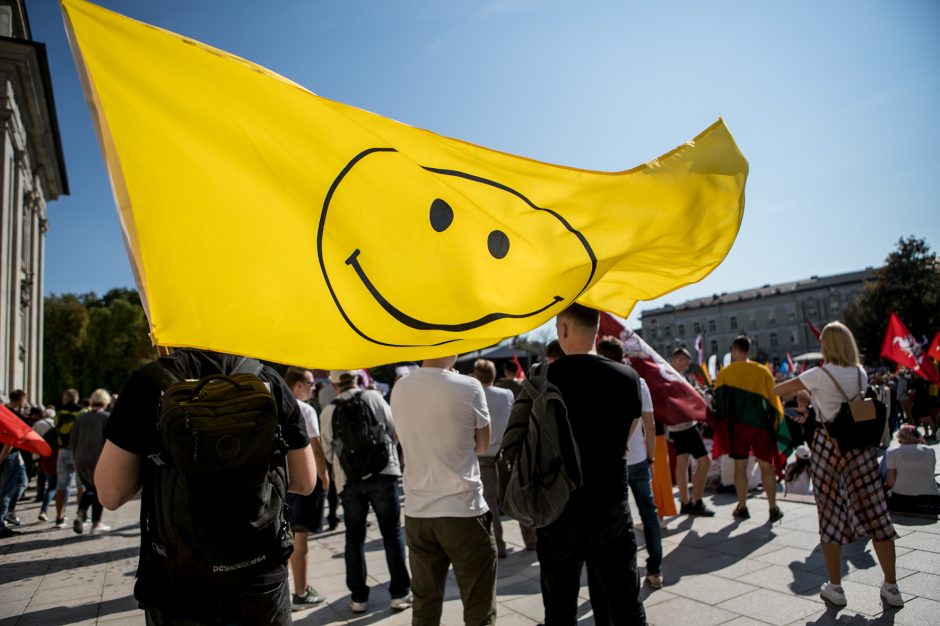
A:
812	327
674	400
791	366
934	351
901	347
520	373
18	434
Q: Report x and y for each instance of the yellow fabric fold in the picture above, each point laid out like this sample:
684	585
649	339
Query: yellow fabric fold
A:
264	220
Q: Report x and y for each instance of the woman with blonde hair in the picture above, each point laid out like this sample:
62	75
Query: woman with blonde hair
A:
850	499
87	440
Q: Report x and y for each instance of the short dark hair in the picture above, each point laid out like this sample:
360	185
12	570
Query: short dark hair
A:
611	347
681	351
553	350
510	366
16	395
294	375
581	315
742	343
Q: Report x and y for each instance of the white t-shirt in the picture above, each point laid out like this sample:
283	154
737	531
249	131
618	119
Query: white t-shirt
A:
827	398
437	413
499	403
382	412
916	465
636	446
310	419
801	485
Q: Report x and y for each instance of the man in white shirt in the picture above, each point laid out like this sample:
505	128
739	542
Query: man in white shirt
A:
499	403
688	443
307	511
380	490
443	423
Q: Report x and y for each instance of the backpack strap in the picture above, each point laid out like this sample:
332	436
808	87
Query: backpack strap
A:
839	387
247	365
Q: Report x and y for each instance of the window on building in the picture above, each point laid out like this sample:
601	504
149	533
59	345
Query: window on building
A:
667	332
696	327
773	340
791	315
711	326
734	322
682	330
714	346
793	337
771	318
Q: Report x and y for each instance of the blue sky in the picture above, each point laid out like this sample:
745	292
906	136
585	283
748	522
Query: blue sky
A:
835	105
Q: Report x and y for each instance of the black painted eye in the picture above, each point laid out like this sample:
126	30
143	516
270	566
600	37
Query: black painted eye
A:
441	215
498	243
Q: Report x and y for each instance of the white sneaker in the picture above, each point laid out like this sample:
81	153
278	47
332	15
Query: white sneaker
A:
99	528
833	593
402	603
358	607
891	595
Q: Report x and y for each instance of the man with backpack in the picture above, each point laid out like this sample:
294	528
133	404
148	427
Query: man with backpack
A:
359	439
65	463
443	423
215	441
595	529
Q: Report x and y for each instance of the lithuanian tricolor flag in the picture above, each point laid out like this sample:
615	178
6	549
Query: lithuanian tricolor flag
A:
744	396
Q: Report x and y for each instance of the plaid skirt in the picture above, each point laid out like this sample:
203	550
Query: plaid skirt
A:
850	498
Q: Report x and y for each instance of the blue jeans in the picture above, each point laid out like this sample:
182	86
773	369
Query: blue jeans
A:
382	493
12	481
640	480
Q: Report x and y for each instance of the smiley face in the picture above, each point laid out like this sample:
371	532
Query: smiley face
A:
412	265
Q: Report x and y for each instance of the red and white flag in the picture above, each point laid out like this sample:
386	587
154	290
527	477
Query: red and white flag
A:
791	366
901	347
934	351
674	400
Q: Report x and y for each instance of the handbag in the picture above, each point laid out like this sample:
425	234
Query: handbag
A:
860	421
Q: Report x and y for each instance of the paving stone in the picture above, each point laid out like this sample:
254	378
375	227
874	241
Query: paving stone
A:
770	606
920	541
872	576
918	612
784	580
793	557
920	561
703	589
686	611
744	621
921	584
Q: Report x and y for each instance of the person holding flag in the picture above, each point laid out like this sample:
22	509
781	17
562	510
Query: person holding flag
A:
750	419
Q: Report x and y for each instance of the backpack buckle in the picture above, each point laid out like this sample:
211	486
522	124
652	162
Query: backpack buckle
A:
158	549
157	459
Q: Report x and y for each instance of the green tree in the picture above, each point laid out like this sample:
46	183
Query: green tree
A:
64	329
93	342
909	285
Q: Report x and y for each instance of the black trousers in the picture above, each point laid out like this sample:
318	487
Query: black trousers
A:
607	546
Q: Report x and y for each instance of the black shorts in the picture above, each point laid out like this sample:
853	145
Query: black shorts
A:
689	441
307	511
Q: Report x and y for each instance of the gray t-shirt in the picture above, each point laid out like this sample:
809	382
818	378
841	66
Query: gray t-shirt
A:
86	442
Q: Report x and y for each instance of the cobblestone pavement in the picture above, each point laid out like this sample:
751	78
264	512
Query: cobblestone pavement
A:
717	571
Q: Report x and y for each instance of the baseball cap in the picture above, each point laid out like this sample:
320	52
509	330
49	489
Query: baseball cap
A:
339	376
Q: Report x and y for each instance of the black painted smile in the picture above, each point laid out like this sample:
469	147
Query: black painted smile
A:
417	324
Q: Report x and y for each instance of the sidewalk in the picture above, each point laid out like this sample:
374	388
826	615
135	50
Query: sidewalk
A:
717	571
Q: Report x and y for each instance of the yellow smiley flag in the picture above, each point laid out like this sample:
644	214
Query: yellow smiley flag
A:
264	220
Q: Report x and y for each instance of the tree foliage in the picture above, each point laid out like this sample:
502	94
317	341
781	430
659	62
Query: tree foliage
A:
909	285
91	342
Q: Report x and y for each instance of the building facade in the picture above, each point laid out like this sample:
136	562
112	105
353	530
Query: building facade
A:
32	167
773	316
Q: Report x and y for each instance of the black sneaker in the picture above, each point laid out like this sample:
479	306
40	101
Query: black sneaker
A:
775	514
309	598
698	508
741	512
685	508
7	532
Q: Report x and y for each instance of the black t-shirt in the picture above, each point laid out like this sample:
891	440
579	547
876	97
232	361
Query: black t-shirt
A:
603	399
132	427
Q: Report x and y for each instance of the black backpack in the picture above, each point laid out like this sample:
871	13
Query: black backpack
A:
538	465
216	514
361	440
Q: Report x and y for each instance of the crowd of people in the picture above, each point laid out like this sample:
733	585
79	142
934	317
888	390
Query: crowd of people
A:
439	436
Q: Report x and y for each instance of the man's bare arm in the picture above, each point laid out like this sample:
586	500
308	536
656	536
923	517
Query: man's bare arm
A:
302	470
481	436
117	476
